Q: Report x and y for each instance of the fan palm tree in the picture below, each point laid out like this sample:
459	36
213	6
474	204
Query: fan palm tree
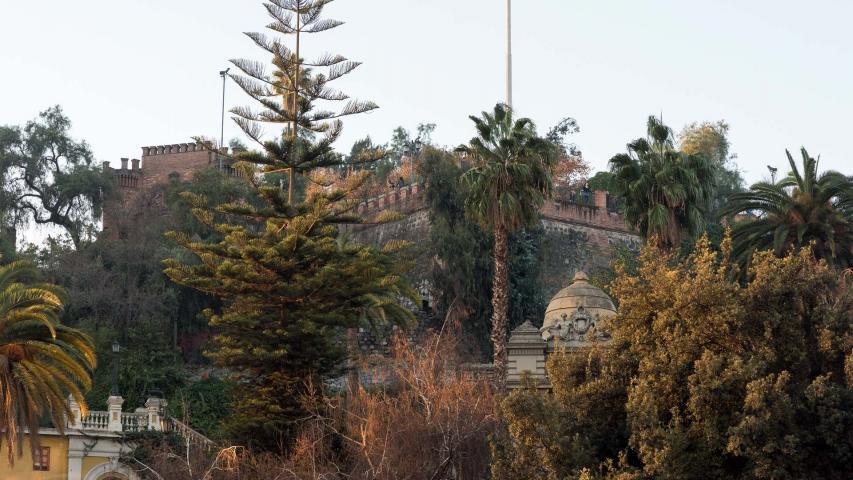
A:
665	191
41	361
509	181
804	208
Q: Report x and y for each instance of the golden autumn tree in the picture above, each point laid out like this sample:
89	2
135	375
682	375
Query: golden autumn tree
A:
706	377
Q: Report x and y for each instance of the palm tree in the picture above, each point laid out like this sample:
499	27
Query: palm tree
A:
665	191
41	361
510	180
804	208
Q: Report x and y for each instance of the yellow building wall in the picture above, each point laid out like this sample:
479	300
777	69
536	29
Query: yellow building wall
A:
23	467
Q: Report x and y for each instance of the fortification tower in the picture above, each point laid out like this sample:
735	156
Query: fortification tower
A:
157	165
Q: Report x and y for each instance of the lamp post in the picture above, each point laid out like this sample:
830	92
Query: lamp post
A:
116	349
773	171
224	75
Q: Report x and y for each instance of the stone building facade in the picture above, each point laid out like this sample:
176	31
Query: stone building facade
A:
92	445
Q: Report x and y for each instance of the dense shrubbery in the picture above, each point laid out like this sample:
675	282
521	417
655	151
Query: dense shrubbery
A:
706	378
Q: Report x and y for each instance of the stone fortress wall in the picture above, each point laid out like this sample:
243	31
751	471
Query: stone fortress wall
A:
576	236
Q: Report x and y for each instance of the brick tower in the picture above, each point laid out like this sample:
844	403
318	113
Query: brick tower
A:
157	166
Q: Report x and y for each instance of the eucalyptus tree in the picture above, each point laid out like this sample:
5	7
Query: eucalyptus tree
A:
49	178
804	208
292	92
41	361
509	181
665	191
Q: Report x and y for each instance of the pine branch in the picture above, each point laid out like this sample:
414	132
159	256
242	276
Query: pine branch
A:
326	60
252	68
322	26
341	69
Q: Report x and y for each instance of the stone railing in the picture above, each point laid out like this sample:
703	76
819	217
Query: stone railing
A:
96	420
134	422
147	418
187	433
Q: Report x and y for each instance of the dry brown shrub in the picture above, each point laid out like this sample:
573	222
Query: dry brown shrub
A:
424	417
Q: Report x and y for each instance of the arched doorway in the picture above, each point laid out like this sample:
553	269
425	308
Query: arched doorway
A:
110	471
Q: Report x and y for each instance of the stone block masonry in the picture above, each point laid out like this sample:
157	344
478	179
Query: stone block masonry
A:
577	237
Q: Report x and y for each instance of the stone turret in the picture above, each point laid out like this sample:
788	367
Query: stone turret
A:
526	357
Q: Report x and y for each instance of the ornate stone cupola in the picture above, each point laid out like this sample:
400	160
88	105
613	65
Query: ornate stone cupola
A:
575	319
574	316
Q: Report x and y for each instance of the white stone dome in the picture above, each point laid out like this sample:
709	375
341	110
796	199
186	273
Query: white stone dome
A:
580	293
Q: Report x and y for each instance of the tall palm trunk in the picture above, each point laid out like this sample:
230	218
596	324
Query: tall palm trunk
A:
500	304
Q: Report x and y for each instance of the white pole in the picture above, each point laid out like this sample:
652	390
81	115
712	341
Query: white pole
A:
509	52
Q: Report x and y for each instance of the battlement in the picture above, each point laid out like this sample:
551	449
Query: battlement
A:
176	148
592	210
407	199
126	178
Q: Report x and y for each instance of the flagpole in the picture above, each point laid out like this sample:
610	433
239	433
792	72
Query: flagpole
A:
509	52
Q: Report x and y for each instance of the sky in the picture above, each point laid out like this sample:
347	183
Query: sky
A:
132	73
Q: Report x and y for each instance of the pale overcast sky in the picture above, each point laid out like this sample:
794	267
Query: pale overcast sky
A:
131	72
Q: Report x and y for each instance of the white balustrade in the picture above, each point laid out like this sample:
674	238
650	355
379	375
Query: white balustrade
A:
134	422
96	420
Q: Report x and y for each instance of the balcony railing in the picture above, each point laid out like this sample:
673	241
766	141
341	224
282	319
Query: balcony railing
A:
96	421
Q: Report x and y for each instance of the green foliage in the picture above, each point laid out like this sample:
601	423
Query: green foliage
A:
666	192
42	362
49	178
581	425
706	377
508	182
710	140
292	95
511	175
204	405
117	291
601	181
289	283
462	251
803	209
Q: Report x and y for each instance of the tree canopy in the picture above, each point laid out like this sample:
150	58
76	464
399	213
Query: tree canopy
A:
666	192
706	377
806	208
510	179
42	362
290	283
49	178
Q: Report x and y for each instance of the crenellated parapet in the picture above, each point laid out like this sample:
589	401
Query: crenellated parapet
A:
406	199
174	148
595	212
126	178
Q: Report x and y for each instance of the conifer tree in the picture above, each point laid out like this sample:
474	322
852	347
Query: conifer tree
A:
290	282
290	94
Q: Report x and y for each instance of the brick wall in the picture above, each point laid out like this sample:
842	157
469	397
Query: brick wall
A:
184	159
158	163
